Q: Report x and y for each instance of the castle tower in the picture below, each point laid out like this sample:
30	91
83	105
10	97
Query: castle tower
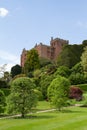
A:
49	52
56	46
23	57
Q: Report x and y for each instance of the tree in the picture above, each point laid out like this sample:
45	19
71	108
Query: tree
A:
84	42
22	98
15	70
77	68
44	84
44	61
77	75
70	55
36	78
18	76
39	94
37	73
2	69
3	84
2	101
50	68
7	76
84	59
32	62
58	92
64	57
62	71
77	78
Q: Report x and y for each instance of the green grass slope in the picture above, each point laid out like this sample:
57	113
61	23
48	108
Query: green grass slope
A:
72	118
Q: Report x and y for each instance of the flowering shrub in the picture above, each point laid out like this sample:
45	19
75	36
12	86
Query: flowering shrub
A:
75	93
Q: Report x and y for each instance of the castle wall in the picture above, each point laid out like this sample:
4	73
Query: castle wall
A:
57	44
23	57
49	52
43	50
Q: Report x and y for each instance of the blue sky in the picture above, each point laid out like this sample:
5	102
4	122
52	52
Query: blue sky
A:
23	23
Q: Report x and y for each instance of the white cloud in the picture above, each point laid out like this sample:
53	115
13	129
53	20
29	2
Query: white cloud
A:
3	12
9	59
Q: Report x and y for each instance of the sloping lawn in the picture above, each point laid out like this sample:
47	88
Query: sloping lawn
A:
72	118
43	105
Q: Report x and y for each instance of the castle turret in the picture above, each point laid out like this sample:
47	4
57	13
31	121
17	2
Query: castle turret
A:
57	44
23	57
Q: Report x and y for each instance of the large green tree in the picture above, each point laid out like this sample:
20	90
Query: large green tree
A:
77	68
44	84
62	71
77	78
70	55
15	70
2	101
77	75
58	92
32	61
44	61
84	59
84	43
22	98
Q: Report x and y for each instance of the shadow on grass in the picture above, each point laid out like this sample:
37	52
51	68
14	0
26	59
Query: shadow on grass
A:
3	115
35	117
70	111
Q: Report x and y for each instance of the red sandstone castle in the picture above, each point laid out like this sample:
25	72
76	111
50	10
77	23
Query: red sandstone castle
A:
49	52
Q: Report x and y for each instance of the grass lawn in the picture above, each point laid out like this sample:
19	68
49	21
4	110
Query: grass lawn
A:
43	105
72	118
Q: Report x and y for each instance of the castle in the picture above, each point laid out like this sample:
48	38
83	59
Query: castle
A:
49	52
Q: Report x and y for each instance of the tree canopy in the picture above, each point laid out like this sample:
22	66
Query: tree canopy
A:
84	59
32	62
44	84
70	55
15	70
2	101
63	71
22	98
58	92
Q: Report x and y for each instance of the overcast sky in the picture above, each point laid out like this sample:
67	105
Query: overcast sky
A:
23	23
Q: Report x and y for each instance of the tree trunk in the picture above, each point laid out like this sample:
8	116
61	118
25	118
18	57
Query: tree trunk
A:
22	112
22	115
